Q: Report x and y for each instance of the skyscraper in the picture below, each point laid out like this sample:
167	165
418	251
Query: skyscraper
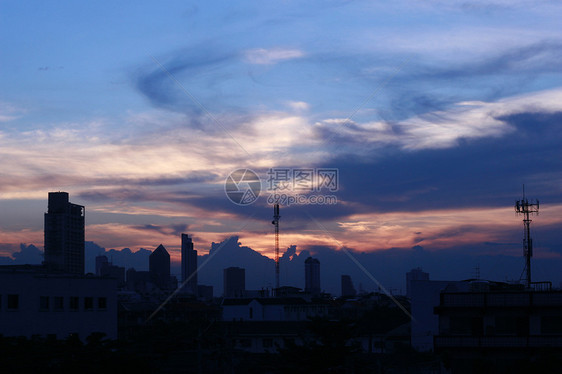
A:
234	281
312	276
347	289
188	264
64	234
159	267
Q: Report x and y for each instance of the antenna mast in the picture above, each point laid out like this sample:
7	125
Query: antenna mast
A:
275	221
527	208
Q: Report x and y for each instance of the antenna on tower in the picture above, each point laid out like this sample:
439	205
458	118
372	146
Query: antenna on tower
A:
275	222
527	208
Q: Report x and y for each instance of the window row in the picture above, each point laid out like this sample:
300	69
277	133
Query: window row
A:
58	303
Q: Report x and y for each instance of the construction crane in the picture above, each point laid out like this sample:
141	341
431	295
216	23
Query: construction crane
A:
275	222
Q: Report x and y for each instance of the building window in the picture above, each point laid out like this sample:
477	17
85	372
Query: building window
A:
58	303
44	302
102	303
88	303
251	313
13	302
74	303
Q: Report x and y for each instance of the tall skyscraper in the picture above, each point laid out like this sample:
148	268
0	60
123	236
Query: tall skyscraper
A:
64	234
188	264
312	276
234	282
347	289
159	267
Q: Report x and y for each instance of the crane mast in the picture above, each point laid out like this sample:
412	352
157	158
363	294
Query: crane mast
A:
275	222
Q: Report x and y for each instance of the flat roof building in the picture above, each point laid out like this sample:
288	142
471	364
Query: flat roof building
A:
64	234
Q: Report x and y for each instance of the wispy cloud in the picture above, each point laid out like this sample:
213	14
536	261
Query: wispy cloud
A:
443	128
262	56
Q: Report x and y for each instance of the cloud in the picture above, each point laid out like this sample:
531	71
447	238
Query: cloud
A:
262	56
298	105
9	112
442	128
162	82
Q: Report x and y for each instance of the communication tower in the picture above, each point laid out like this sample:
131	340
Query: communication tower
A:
527	208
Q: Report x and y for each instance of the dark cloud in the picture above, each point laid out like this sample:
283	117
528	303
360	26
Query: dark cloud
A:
160	81
172	230
425	86
486	172
124	257
28	254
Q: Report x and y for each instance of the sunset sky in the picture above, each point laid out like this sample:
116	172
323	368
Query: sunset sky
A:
434	113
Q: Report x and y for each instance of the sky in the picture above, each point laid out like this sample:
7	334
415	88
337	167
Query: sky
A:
433	113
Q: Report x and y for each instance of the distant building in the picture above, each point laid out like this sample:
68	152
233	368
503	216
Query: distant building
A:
188	265
347	289
100	262
36	302
414	275
64	234
106	269
139	281
312	276
425	323
234	281
159	267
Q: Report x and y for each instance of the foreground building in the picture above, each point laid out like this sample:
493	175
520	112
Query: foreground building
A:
494	325
34	302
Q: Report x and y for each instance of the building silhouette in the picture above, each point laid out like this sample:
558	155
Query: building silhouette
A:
159	267
312	276
37	302
64	234
347	289
490	326
106	269
416	274
234	279
188	265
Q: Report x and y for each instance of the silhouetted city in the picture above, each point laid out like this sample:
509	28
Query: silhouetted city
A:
150	321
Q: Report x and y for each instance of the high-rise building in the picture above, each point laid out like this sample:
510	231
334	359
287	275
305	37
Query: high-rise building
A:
188	265
234	281
416	274
159	267
347	289
64	234
312	276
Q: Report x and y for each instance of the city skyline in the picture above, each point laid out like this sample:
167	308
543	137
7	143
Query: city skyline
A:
434	114
387	267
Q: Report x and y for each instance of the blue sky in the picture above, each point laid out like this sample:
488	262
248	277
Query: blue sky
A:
434	112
